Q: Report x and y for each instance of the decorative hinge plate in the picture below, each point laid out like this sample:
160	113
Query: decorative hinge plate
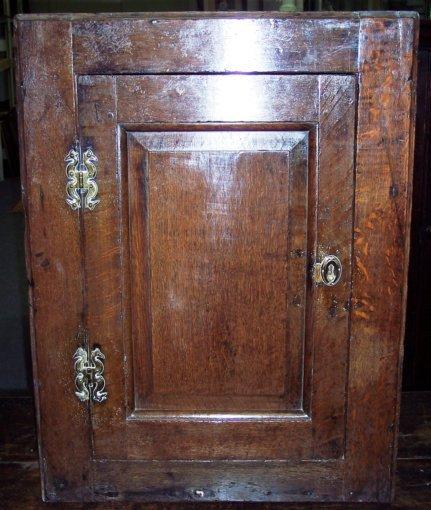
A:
81	172
89	379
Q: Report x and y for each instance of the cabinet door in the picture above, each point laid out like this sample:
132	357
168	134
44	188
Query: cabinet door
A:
233	152
217	196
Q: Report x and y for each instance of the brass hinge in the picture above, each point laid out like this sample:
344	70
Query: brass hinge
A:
89	369
81	172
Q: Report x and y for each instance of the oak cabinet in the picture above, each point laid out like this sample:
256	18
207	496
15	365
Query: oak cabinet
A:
217	231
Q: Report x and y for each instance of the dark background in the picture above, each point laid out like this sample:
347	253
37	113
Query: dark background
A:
15	364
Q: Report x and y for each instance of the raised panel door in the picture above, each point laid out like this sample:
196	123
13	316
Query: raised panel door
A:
228	190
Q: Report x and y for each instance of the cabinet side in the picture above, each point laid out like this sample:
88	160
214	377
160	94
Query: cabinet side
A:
385	137
46	112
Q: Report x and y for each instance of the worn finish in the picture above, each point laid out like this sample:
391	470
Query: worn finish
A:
224	98
168	242
381	242
55	279
20	481
218	193
203	201
172	44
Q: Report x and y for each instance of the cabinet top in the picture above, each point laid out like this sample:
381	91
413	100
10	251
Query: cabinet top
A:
214	15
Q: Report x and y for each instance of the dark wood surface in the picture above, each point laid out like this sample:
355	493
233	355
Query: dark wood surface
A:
381	241
263	44
342	445
55	281
195	266
20	479
239	283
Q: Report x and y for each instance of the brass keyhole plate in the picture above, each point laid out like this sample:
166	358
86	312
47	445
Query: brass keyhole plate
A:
328	271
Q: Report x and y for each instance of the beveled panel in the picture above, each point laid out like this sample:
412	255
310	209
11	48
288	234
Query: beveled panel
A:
218	269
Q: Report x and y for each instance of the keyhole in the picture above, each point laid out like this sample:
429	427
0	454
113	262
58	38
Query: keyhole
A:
331	274
329	270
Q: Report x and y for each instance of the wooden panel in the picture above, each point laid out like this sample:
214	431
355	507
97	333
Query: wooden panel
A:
331	305
382	214
234	98
217	207
157	43
218	481
218	437
102	238
54	257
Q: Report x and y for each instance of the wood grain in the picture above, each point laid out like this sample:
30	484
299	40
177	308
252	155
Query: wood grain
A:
173	44
331	305
382	217
332	432
252	481
224	98
102	230
54	255
219	207
20	480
